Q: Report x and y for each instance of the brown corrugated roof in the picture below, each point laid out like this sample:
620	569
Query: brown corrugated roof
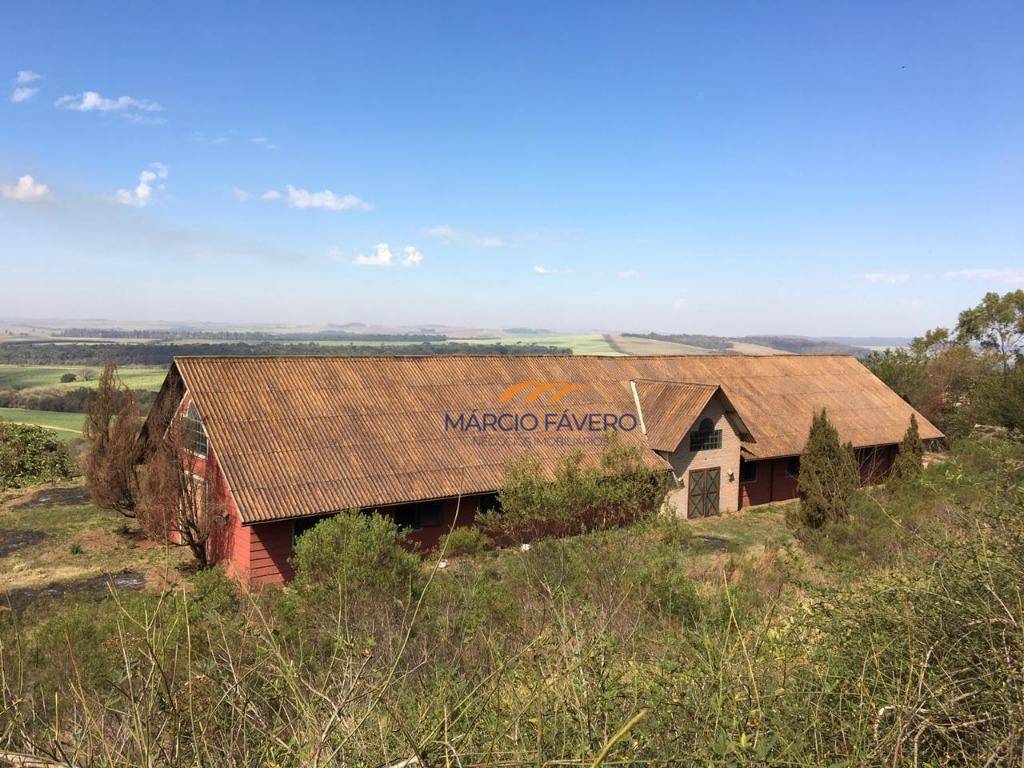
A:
303	435
669	410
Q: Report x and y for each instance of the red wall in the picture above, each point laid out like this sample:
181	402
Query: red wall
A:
270	548
429	537
772	484
757	491
775	484
263	550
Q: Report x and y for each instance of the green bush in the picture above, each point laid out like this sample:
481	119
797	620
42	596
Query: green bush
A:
67	378
465	540
31	455
213	593
355	552
539	657
909	460
619	489
828	477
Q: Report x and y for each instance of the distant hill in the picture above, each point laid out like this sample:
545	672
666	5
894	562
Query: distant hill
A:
801	345
796	345
871	341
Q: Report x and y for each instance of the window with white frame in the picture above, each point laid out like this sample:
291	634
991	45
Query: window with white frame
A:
193	436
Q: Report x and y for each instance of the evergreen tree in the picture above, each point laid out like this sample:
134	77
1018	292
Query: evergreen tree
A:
910	459
828	475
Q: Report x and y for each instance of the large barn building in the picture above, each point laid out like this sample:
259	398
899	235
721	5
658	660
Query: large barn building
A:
290	440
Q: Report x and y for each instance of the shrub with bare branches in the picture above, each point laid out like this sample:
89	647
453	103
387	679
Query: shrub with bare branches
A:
180	492
111	429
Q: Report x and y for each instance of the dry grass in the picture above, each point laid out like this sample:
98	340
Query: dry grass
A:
79	541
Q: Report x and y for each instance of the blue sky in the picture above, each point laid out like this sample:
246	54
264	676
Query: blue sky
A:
815	168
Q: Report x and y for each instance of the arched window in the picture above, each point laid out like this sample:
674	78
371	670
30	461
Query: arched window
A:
193	436
706	438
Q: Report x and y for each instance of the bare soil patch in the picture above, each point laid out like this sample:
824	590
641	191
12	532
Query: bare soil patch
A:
55	497
11	541
93	588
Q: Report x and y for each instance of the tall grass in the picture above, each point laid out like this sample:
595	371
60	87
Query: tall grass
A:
590	650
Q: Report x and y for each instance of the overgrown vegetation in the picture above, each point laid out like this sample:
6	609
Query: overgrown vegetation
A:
618	489
968	375
31	455
910	458
898	644
828	477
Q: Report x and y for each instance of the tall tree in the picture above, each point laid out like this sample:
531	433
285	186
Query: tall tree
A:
112	429
828	476
910	459
996	324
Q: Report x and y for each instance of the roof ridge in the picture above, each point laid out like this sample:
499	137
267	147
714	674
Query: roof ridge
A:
735	356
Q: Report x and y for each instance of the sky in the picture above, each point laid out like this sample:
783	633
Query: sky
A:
848	168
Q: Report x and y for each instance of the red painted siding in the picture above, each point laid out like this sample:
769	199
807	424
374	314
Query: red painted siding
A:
758	490
774	483
783	483
875	463
270	548
428	537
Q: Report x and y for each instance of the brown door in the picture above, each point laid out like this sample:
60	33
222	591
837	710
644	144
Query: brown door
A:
703	496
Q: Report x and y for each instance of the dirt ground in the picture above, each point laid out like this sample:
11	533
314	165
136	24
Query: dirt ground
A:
53	543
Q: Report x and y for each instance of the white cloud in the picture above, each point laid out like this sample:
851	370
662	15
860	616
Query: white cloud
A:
303	198
26	190
22	91
142	195
270	194
411	257
627	274
450	234
91	101
383	256
264	142
885	278
992	275
21	94
539	270
679	304
240	194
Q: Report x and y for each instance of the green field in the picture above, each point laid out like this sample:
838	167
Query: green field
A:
67	425
26	376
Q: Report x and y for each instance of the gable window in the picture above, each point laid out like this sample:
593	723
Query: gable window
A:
417	516
748	471
793	466
706	438
193	436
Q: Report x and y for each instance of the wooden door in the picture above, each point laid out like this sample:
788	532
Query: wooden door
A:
704	492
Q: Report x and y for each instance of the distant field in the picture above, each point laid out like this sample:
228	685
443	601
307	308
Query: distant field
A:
25	376
746	348
67	425
580	344
634	345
